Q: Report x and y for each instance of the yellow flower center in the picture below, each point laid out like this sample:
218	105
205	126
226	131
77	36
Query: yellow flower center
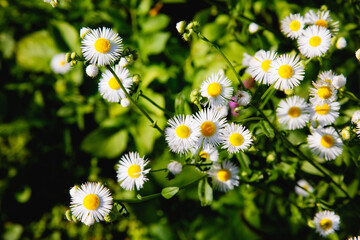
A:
327	141
295	25
325	224
224	175
315	41
204	155
236	139
265	65
62	63
91	201
321	23
207	128
183	131
285	71
134	171
214	89
322	110
294	112
324	92
102	45
113	84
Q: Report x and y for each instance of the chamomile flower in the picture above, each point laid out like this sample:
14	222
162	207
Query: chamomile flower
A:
207	152
314	41
323	92
181	135
224	175
325	114
209	122
109	87
326	222
101	46
59	65
293	112
322	19
327	76
260	66
303	188
131	173
286	72
292	25
217	88
326	143
235	138
91	202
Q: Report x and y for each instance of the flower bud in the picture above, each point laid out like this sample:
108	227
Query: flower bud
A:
253	27
180	27
73	55
73	190
339	81
68	57
174	167
289	92
73	62
345	133
123	62
194	26
92	70
341	43
84	31
125	102
357	54
68	215
136	79
187	36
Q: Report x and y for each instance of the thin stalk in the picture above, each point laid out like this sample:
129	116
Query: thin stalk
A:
202	37
267	95
169	114
133	102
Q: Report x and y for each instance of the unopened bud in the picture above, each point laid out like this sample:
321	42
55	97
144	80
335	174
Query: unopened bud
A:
323	8
194	26
357	54
68	57
180	27
73	55
125	102
289	92
271	157
238	109
253	27
73	190
73	62
339	81
194	93
345	133
187	36
123	62
341	43
174	167
136	79
68	215
92	70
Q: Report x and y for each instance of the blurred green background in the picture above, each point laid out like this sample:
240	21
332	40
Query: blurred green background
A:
57	131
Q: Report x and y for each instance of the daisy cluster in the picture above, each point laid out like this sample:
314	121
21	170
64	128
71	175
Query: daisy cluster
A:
313	32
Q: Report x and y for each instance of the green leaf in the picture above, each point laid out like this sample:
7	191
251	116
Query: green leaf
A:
35	51
105	142
205	192
66	36
155	23
267	129
169	192
153	43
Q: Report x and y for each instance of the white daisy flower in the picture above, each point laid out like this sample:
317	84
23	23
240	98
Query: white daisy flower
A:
325	142
223	110
326	114
327	76
326	222
235	138
321	19
293	112
182	134
101	46
174	167
73	190
314	41
323	92
292	26
131	173
354	238
286	72
217	88
84	31
242	98
356	117
303	188
207	152
59	65
341	43
109	87
91	202
224	176
339	81
209	122
260	66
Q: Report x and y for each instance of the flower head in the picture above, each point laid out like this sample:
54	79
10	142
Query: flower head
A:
325	142
59	65
293	112
101	46
260	66
324	92
314	42
326	222
235	138
131	173
207	152
224	175
325	114
321	19
303	188
91	202
217	88
292	26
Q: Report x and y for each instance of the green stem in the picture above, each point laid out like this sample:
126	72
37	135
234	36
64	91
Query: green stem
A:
300	154
351	96
133	102
267	95
169	114
248	119
158	170
202	37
